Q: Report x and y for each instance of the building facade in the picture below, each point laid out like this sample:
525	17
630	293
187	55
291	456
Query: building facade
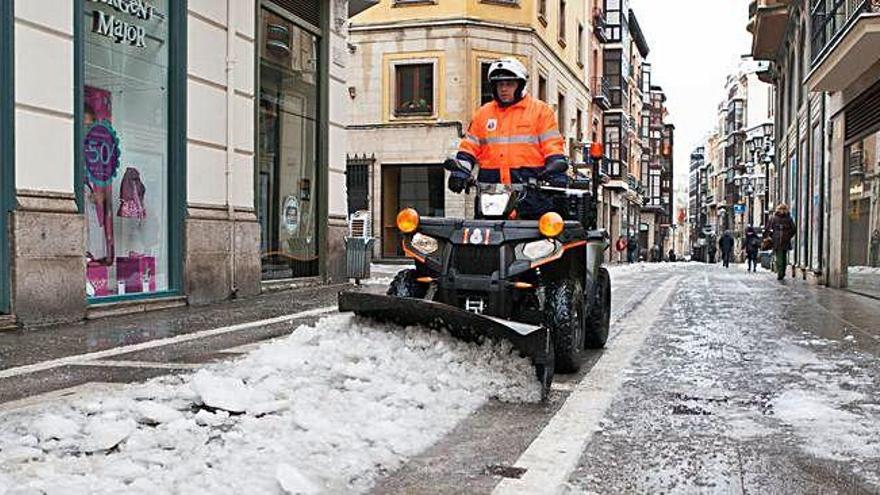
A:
134	145
730	173
825	65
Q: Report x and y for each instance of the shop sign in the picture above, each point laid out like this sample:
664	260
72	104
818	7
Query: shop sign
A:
119	30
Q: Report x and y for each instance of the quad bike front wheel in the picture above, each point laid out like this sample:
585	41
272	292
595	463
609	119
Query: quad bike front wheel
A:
564	315
598	319
406	285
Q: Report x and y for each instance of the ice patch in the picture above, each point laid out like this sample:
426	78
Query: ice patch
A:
829	431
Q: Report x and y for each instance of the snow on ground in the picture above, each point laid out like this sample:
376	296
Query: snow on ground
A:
328	409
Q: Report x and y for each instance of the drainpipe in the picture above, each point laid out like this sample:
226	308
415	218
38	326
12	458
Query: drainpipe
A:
230	136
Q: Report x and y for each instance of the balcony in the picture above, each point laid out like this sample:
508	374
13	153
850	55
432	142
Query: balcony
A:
844	31
768	23
601	93
600	25
617	171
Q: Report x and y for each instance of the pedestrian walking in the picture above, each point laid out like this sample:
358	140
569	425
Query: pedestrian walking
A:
711	249
632	249
672	255
751	246
781	230
725	244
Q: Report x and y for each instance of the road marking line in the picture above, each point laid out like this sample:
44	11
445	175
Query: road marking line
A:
91	388
78	359
142	364
553	456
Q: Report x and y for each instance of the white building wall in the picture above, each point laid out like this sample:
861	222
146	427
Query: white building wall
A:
338	114
44	108
207	107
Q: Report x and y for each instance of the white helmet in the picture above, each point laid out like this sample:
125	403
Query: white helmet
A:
508	69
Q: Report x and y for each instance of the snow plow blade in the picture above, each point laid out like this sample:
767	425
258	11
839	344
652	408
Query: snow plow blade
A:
530	340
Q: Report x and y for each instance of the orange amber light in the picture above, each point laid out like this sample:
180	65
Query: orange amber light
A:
551	224
408	220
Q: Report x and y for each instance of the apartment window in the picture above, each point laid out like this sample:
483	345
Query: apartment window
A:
414	85
560	112
542	88
485	87
579	121
580	45
400	3
542	11
562	22
615	20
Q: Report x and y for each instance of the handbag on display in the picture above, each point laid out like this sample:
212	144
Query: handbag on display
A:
136	272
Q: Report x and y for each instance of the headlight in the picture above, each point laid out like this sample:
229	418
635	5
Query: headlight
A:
494	204
551	224
539	249
424	244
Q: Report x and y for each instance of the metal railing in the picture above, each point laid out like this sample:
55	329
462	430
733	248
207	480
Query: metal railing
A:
601	89
830	19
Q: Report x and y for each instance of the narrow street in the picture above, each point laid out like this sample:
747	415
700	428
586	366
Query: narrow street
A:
713	380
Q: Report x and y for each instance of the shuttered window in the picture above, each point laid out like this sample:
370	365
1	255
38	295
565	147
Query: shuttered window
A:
863	114
307	10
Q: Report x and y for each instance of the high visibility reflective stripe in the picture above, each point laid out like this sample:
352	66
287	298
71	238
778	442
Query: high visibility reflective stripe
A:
521	139
472	138
549	135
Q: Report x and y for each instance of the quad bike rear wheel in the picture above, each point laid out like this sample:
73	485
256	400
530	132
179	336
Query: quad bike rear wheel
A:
564	314
598	318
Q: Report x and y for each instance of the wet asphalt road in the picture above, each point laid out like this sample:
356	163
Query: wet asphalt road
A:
695	412
709	403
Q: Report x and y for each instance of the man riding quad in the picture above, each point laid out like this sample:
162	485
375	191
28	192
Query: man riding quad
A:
513	138
528	268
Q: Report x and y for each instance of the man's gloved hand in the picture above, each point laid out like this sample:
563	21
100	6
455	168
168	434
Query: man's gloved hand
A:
458	180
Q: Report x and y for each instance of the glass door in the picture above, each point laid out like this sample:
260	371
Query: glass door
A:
288	148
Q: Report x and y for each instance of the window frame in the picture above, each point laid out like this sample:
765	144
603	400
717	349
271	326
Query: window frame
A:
561	28
7	143
395	114
178	34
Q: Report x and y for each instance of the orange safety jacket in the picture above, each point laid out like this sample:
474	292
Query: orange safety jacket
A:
521	136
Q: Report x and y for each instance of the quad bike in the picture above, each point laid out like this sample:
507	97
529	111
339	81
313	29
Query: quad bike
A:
538	284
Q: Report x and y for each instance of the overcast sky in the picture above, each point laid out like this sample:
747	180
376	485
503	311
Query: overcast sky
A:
694	45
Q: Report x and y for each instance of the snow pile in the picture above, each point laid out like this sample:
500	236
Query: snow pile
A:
328	409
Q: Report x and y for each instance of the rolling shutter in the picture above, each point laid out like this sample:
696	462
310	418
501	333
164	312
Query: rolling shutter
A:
307	10
863	114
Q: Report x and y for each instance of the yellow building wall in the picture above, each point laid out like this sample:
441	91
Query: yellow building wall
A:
524	15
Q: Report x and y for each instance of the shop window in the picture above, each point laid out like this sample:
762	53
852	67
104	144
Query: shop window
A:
485	87
863	215
125	121
287	154
414	89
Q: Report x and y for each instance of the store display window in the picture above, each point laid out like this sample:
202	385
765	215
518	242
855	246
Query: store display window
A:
125	146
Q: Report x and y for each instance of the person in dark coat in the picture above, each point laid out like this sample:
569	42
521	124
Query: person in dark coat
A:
781	230
751	246
711	249
632	249
725	244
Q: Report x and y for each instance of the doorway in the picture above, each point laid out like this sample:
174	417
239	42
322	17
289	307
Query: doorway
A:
409	186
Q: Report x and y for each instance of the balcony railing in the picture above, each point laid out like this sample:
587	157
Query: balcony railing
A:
601	92
831	18
599	25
